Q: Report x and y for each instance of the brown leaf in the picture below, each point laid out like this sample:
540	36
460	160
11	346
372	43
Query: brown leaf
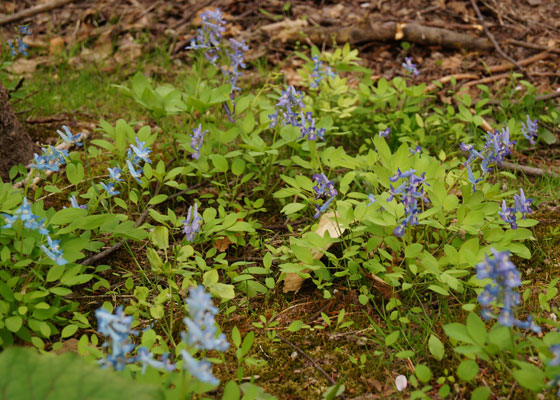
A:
285	30
23	66
56	45
222	244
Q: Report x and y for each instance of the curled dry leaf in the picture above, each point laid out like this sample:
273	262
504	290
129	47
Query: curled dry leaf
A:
292	281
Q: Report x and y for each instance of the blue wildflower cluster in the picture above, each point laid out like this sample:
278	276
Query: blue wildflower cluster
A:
51	159
497	147
521	204
35	223
416	150
201	334
136	155
289	107
21	46
74	203
410	66
197	138
555	350
320	71
308	129
117	328
192	224
505	278
530	131
209	37
323	189
385	132
410	192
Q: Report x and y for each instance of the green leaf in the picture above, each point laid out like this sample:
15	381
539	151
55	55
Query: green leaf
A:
236	336
220	162
231	391
295	326
160	237
24	374
529	376
476	329
160	198
423	373
13	323
413	250
392	338
68	331
436	347
467	370
238	166
458	332
481	393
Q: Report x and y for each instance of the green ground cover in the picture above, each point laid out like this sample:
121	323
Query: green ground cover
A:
198	181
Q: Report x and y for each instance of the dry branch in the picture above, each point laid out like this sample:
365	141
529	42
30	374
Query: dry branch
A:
383	32
431	87
29	12
533	46
527	170
525	62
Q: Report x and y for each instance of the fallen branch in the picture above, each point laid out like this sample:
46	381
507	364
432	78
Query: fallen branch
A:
487	79
492	38
29	12
533	46
525	62
527	170
378	32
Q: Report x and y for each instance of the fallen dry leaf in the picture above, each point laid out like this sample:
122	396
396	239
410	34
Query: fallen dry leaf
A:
56	45
292	281
222	244
23	66
285	30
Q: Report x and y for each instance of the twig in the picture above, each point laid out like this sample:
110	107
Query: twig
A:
315	365
47	120
29	12
492	38
548	96
527	170
445	79
527	61
533	46
487	80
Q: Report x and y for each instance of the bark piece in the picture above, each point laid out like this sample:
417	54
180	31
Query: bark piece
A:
16	146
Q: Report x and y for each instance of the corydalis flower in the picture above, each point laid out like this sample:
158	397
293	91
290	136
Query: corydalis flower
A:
68	137
110	188
117	328
197	138
416	150
192	224
323	189
30	220
320	72
210	36
505	278
288	108
201	334
53	251
21	46
307	128
521	204
141	152
409	192
136	174
115	174
530	131
201	325
236	56
50	160
74	203
385	133
497	147
410	66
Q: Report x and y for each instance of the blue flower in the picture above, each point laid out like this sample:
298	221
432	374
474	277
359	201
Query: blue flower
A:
410	66
289	106
145	357
68	137
307	128
371	199
140	151
117	328
530	131
209	38
505	278
74	203
115	174
110	188
409	192
555	350
134	173
237	60
192	224
320	72
24	30
416	150
30	220
53	251
522	204
385	132
202	370
323	189
197	138
50	160
508	215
